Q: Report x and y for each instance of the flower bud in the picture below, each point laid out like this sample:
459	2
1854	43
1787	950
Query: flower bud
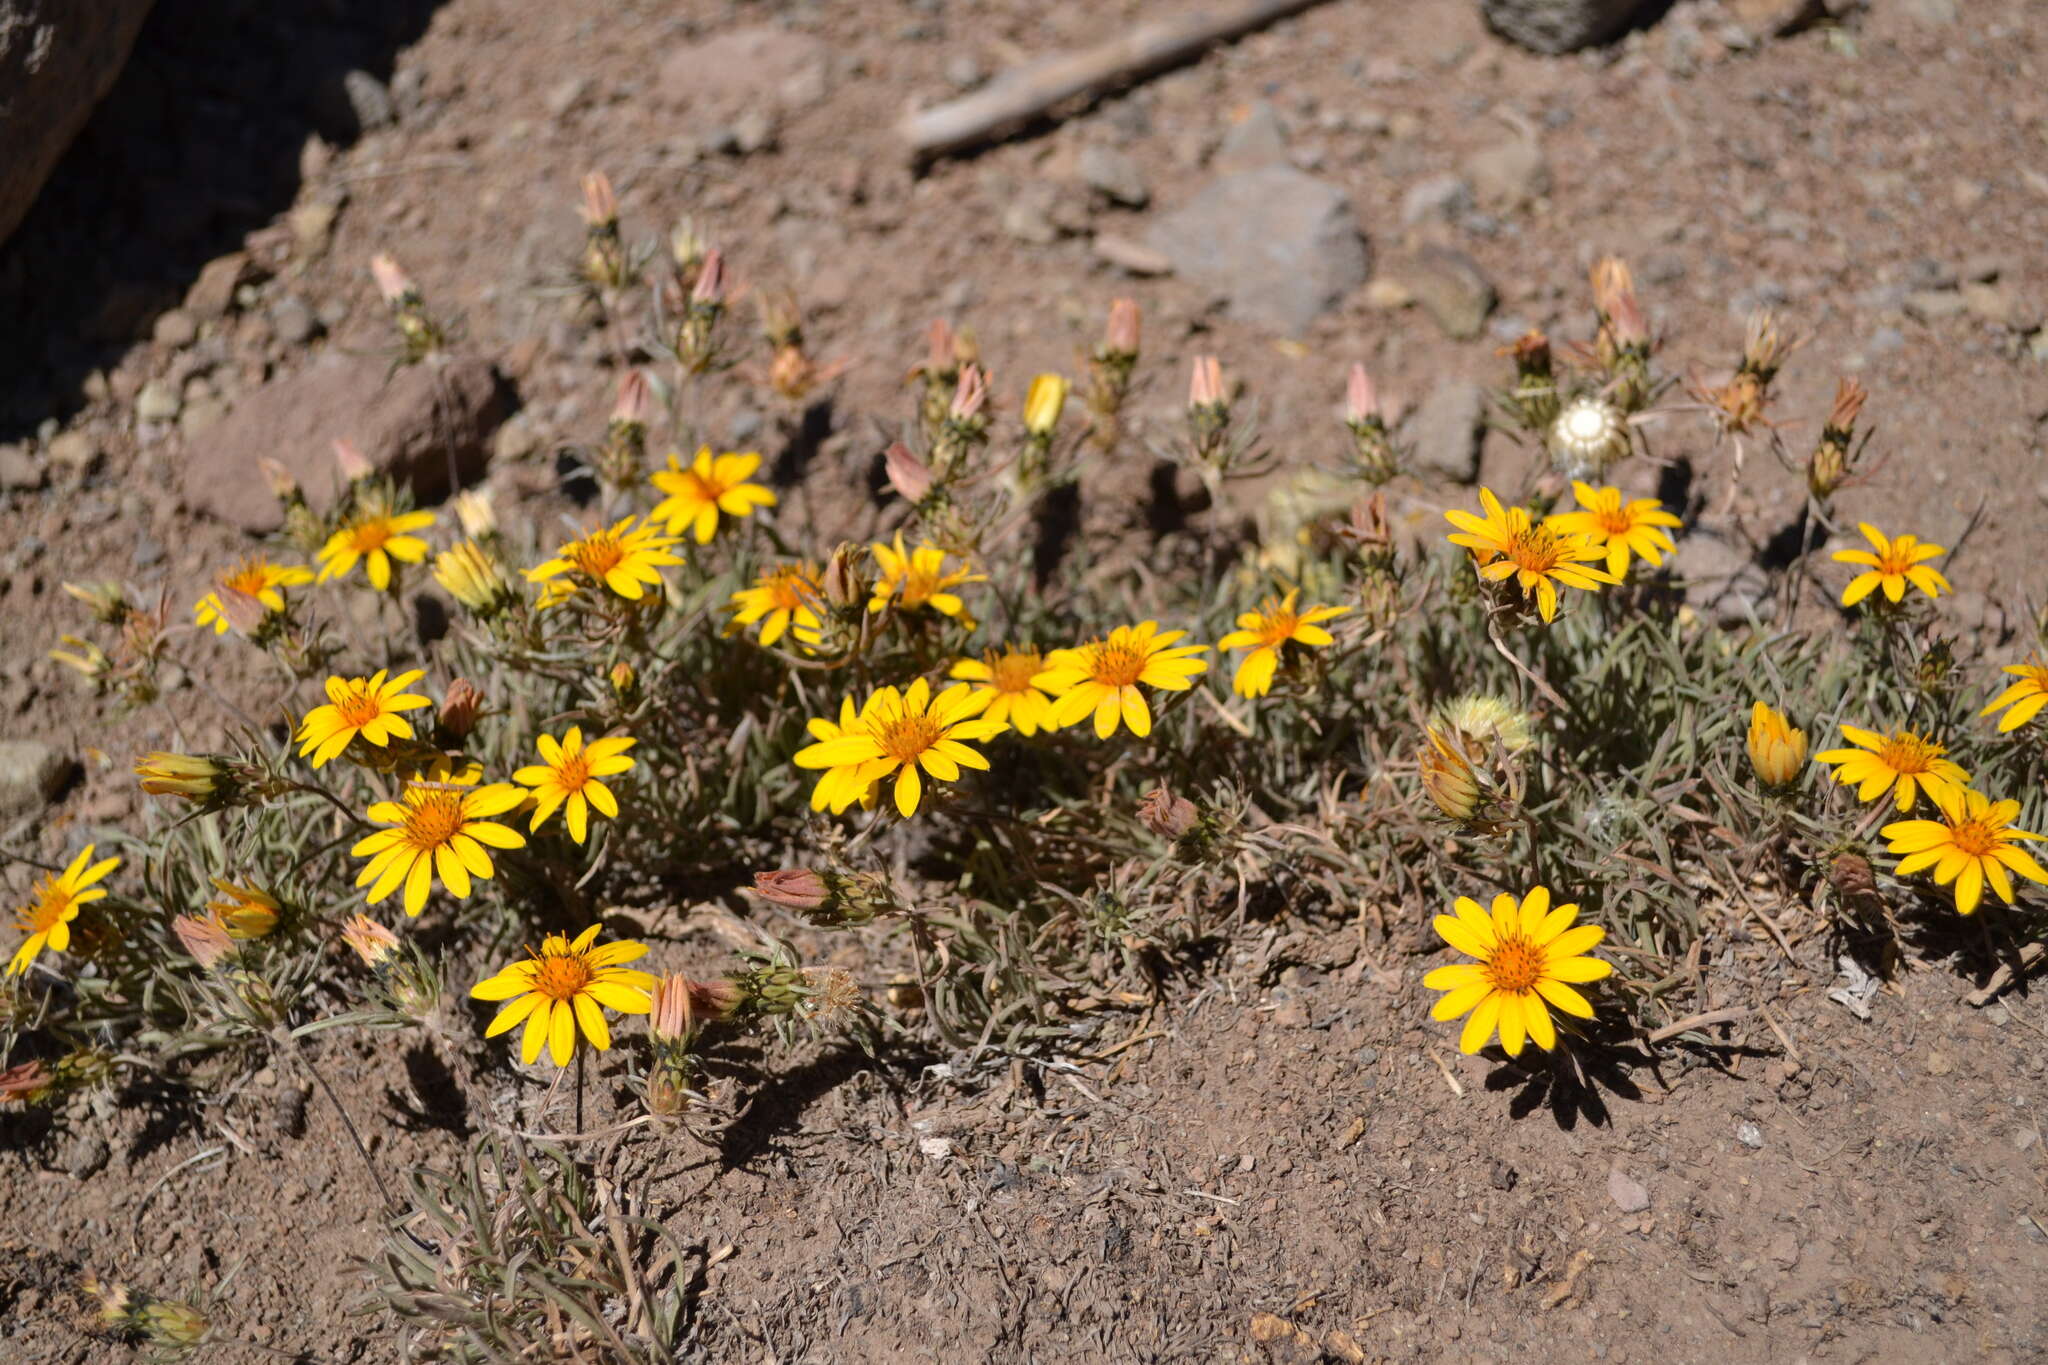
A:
1777	752
195	777
474	511
845	577
172	1325
709	290
971	395
372	942
670	1017
472	576
459	709
1168	816
600	205
204	940
244	911
792	889
1120	336
625	683
393	284
1361	398
1043	403
1473	787
354	465
1764	346
635	403
1205	386
908	475
26	1083
107	601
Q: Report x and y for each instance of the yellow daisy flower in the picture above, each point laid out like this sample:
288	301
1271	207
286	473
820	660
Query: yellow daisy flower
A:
1103	677
709	486
1894	564
901	732
254	577
1505	544
1530	957
376	537
783	596
1006	678
570	776
359	706
622	558
1265	631
53	904
920	578
841	786
1904	758
2026	697
1972	843
1624	528
565	989
439	825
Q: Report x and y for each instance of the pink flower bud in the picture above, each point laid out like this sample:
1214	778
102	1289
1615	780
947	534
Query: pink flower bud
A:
392	281
635	401
908	475
205	939
1361	399
710	287
795	888
1205	388
354	464
600	205
971	394
1121	336
671	1017
938	346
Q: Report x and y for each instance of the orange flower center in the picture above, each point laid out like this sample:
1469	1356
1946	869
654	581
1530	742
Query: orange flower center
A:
1117	663
561	978
1978	838
359	707
597	554
435	818
905	737
368	536
1537	550
1615	520
791	588
1515	966
702	487
574	771
1277	626
48	911
1012	673
1908	754
250	577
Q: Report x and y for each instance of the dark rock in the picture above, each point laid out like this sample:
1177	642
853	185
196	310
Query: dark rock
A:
1280	246
57	58
1559	25
418	424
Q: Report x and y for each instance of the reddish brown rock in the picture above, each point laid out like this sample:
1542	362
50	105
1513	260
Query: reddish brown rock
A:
427	425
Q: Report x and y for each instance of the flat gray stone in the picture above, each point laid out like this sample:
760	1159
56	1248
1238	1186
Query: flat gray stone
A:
1446	432
1256	139
31	775
1115	175
1279	245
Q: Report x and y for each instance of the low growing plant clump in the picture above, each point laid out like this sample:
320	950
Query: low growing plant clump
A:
1033	767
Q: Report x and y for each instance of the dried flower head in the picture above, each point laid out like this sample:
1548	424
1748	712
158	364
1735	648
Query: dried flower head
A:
1168	816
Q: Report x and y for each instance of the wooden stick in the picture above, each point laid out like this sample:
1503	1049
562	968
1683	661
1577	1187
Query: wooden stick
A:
1027	91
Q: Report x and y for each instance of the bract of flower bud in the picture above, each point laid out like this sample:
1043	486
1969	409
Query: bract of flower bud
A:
971	394
709	291
205	940
792	888
372	942
908	475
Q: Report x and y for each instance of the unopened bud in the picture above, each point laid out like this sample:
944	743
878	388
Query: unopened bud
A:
1168	816
372	942
600	205
1361	398
1043	402
244	911
908	475
1205	386
460	708
709	291
625	683
971	394
106	600
792	888
474	511
845	577
1120	336
195	777
204	940
354	465
26	1083
393	284
635	403
472	576
1612	283
670	1016
172	1325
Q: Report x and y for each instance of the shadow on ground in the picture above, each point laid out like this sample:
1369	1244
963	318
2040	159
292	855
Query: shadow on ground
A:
198	143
